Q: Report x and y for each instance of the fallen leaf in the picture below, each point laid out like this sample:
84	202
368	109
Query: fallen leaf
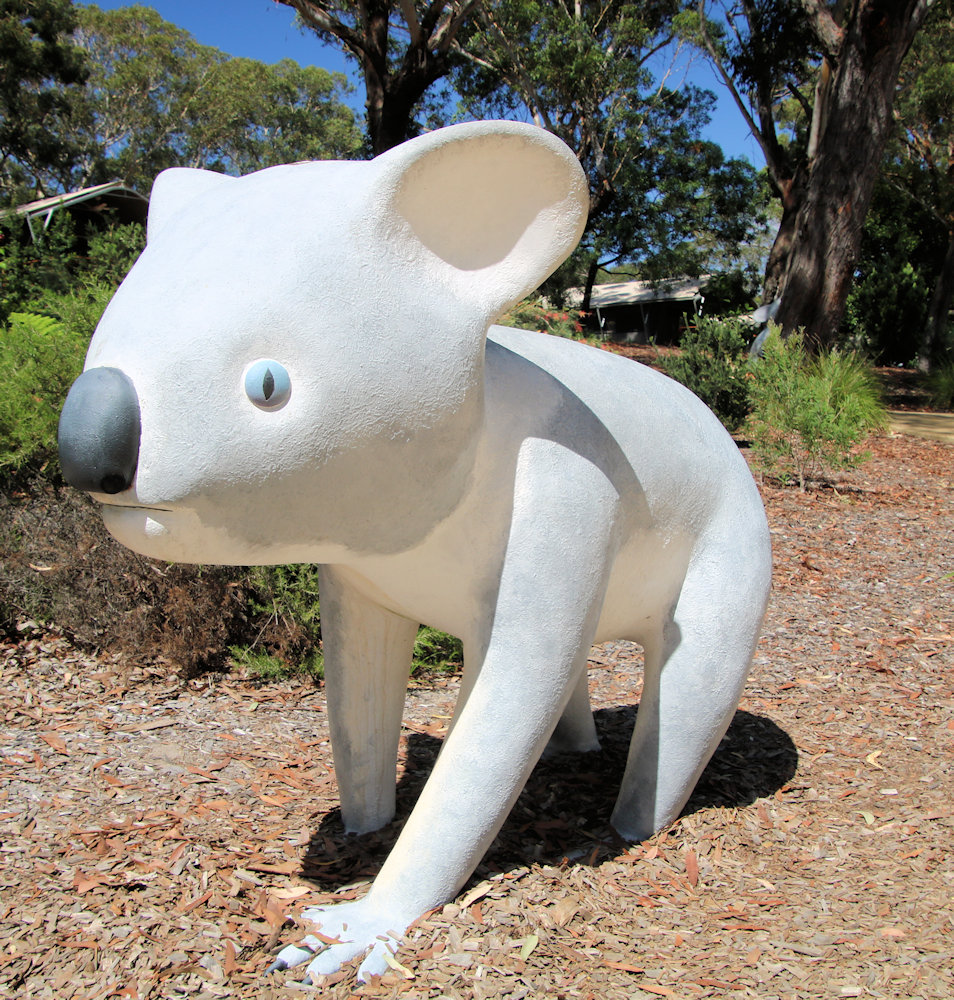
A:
660	991
624	967
396	965
295	893
529	943
893	932
692	867
230	958
54	741
478	892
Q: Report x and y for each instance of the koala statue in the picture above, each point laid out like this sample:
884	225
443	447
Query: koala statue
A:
301	367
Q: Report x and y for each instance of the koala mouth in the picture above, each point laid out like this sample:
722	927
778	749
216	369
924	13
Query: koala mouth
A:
133	506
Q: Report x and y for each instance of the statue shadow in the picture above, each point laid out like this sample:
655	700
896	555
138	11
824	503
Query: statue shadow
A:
563	812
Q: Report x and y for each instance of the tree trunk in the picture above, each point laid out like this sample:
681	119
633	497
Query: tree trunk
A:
792	197
393	90
842	176
937	320
591	273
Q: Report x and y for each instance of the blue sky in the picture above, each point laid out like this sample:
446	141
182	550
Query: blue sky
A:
265	30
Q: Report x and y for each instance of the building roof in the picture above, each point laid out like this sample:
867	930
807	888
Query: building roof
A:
129	205
631	293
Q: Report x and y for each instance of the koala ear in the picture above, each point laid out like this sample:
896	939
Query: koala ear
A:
500	203
173	189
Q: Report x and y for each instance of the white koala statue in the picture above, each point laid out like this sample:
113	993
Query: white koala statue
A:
301	367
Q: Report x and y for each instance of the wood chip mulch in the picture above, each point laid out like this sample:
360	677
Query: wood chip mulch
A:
156	836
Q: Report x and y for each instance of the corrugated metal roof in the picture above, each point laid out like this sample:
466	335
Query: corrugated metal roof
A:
114	189
129	205
632	293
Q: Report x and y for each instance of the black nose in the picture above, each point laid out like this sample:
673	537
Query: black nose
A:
99	432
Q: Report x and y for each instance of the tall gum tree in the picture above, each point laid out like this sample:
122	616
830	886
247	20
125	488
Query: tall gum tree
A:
839	62
158	98
40	72
600	75
403	48
920	159
577	68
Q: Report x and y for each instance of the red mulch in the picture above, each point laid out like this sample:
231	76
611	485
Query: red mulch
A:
155	835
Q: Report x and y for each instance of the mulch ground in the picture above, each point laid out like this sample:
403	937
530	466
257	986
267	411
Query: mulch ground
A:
158	835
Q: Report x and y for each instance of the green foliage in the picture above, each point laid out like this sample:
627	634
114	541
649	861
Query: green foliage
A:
584	73
51	299
40	72
532	314
54	275
271	667
31	268
157	98
902	250
940	386
39	360
283	601
434	650
809	412
713	363
111	254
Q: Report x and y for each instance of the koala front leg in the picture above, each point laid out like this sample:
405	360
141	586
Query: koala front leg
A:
367	653
538	635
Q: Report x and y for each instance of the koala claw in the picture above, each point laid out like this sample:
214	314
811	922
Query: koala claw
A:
357	929
293	954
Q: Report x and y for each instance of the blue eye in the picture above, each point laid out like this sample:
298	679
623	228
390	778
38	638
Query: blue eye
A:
267	384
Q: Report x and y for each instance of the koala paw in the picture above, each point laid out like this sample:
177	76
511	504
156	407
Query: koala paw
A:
353	928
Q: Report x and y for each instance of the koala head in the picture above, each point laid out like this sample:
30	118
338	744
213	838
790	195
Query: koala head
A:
294	367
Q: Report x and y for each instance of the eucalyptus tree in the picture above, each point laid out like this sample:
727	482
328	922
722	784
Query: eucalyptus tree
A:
403	48
158	98
921	159
815	82
40	71
586	71
601	75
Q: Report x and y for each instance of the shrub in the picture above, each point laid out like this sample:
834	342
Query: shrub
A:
112	252
940	386
434	650
29	269
39	359
809	412
283	603
713	363
59	567
35	274
532	314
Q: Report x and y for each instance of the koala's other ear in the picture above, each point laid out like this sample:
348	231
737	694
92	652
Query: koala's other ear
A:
173	189
501	203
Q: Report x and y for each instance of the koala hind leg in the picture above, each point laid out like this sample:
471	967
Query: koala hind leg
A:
695	669
576	730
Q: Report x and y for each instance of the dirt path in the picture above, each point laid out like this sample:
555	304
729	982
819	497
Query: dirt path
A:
932	426
156	835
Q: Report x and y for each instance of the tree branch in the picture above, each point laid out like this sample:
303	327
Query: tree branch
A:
768	151
828	32
446	33
519	81
413	25
317	18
